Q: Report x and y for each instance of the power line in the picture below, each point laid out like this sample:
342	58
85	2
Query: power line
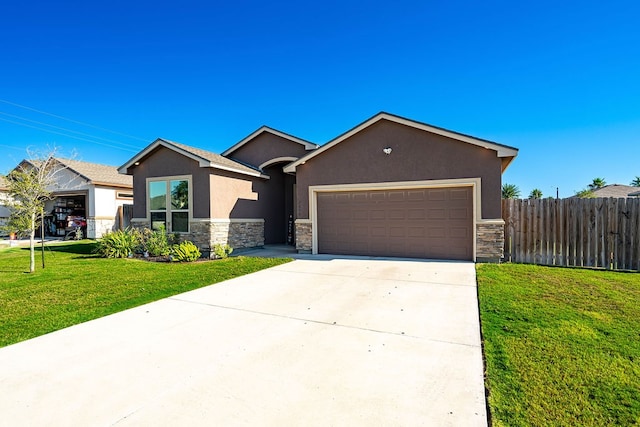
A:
72	120
61	128
13	148
68	136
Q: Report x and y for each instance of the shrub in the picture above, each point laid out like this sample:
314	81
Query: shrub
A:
118	244
185	252
222	251
156	242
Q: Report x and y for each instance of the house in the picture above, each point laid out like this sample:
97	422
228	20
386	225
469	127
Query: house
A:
85	195
390	186
4	197
617	191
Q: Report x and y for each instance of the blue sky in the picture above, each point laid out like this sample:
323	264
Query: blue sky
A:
558	80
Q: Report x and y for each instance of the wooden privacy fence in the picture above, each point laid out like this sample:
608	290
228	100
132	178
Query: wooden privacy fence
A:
123	218
602	232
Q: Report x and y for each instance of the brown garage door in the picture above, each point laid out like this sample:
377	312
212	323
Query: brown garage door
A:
420	223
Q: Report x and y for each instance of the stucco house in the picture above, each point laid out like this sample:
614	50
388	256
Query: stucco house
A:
85	194
390	186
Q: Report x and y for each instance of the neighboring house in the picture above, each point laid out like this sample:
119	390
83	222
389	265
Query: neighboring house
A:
388	187
87	195
617	191
4	197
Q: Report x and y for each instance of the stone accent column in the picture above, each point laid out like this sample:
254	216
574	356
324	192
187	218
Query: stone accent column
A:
304	236
490	240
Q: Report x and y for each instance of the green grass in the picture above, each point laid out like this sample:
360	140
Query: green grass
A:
77	286
562	346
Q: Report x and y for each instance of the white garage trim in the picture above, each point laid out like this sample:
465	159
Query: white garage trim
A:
475	183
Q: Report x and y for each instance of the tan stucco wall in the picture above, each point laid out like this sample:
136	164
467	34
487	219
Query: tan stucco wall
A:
226	191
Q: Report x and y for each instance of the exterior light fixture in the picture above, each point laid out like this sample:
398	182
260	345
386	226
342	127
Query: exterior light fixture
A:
387	150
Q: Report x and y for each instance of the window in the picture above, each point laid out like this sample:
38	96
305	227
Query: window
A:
169	204
125	196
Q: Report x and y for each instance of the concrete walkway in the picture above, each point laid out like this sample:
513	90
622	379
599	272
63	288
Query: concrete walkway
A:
324	341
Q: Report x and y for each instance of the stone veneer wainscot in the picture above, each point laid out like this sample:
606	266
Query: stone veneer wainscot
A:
206	233
304	236
490	241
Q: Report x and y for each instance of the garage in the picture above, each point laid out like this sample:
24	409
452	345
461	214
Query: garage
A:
392	186
404	222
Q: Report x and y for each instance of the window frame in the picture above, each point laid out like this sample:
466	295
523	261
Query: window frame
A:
168	211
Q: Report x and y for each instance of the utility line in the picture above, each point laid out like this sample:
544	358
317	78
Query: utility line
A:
72	120
65	129
69	136
13	148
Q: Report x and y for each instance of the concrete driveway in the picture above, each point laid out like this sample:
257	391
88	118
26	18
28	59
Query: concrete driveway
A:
322	341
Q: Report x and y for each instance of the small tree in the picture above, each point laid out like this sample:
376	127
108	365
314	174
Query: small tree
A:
510	191
587	193
636	181
29	188
597	183
536	193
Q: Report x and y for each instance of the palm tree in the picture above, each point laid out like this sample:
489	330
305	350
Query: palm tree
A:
536	193
510	191
636	181
597	183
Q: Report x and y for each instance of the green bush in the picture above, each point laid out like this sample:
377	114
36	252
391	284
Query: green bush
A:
185	252
118	244
222	251
155	242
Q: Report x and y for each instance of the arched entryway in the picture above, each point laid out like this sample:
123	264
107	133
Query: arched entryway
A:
279	215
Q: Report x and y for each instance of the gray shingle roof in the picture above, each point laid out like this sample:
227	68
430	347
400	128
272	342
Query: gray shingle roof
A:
214	158
615	190
97	173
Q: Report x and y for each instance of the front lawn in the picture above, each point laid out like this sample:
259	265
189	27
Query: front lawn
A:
562	346
77	286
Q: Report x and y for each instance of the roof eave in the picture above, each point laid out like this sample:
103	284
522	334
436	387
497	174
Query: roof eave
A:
502	151
202	162
124	169
256	174
111	184
307	145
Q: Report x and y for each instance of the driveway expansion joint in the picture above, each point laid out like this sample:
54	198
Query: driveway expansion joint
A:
320	322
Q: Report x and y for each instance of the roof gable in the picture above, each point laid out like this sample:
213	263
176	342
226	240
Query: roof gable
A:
505	152
306	144
91	173
205	159
97	174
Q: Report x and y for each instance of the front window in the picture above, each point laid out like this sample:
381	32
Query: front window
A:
169	204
